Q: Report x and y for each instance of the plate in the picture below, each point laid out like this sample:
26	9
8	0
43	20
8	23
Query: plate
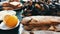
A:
4	27
21	29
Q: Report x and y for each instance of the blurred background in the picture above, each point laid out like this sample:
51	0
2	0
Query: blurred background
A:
24	8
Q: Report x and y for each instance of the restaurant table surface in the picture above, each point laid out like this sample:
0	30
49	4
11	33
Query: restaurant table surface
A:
18	14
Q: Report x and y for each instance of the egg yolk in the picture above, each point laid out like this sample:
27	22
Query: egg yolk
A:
10	21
